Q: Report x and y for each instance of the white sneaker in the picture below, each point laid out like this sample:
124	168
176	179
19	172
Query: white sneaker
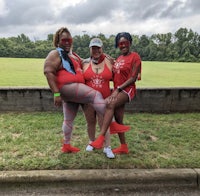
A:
109	153
89	148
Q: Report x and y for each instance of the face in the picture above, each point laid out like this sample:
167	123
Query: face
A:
124	45
65	41
96	52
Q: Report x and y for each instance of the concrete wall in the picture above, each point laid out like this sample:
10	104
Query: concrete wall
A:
152	100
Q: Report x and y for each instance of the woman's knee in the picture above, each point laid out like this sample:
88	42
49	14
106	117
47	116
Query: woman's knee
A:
110	106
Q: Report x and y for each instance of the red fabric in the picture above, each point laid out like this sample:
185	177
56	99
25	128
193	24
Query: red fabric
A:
99	82
65	77
123	70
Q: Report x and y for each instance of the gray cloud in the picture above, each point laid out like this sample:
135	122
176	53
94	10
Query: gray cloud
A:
22	12
88	11
24	16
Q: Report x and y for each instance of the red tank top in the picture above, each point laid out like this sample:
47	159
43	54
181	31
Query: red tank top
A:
99	82
65	77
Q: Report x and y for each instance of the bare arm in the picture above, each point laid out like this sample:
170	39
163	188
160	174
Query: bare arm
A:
51	66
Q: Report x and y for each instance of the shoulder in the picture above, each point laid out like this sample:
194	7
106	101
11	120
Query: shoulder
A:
85	64
76	57
135	55
53	54
136	58
52	59
85	61
109	58
108	64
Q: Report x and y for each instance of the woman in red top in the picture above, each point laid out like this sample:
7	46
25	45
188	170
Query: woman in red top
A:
62	69
126	70
97	73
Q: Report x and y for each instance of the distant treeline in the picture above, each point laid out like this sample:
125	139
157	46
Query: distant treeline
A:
183	46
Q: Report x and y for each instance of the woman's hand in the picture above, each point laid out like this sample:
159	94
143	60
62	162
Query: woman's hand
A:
113	96
57	101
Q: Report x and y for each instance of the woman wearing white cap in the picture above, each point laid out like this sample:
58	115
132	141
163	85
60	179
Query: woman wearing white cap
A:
62	69
98	74
126	70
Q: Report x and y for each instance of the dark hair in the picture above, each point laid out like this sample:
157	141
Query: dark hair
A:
57	35
122	34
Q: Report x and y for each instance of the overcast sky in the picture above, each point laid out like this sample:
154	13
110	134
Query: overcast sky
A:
38	18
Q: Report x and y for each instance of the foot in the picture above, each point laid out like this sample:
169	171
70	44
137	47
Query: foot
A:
89	148
67	148
118	128
98	143
108	152
123	149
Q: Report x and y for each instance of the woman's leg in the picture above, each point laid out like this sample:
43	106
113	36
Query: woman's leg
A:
81	93
70	110
119	115
121	99
90	116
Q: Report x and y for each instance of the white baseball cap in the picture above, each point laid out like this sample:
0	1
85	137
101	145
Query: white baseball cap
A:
96	42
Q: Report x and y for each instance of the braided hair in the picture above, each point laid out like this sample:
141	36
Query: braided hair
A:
122	34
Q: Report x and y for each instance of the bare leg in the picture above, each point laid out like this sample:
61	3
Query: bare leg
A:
119	115
90	116
121	99
110	108
81	93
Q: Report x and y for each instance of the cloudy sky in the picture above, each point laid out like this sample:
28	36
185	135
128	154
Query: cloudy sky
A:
39	18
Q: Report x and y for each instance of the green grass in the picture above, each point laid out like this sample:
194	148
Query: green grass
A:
170	74
29	72
22	72
32	141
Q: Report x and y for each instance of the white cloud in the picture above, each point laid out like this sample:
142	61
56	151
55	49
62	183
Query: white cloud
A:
3	10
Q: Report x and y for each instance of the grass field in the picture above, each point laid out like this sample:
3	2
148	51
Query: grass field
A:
32	141
29	72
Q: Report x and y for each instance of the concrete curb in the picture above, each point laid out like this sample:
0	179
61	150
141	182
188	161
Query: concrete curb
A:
129	177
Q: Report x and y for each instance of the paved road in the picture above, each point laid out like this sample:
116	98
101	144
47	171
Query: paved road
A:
61	190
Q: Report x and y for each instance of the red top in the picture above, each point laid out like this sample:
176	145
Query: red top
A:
65	77
123	69
99	82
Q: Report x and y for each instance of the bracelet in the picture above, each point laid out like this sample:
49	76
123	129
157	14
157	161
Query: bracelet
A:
56	94
119	89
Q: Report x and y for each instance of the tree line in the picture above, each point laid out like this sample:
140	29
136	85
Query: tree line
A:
182	46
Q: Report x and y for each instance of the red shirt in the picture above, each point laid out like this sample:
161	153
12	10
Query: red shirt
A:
123	70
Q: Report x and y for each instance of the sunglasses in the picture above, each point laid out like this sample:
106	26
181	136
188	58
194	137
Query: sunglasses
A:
123	43
66	40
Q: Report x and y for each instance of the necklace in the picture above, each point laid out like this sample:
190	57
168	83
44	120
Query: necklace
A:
97	67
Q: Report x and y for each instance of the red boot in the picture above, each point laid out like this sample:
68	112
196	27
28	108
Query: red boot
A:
67	148
118	128
98	143
123	149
